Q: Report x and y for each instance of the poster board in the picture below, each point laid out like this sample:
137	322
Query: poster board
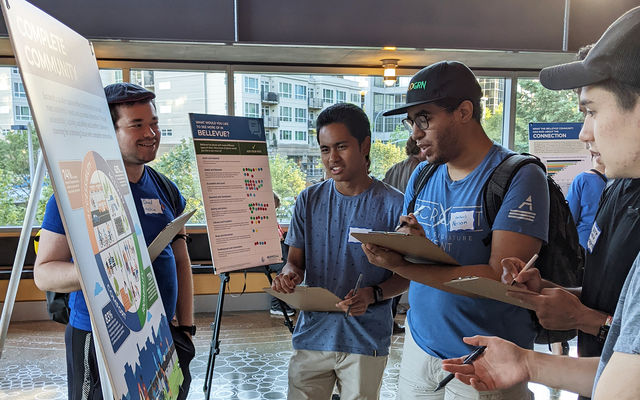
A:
560	149
490	289
309	299
416	249
79	145
231	154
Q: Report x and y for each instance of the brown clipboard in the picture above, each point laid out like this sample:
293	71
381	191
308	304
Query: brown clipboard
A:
416	249
309	299
491	289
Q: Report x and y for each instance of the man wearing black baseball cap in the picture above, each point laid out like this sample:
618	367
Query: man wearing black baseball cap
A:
443	115
158	202
609	82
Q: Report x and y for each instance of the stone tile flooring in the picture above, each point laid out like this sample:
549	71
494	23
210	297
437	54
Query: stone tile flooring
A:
252	364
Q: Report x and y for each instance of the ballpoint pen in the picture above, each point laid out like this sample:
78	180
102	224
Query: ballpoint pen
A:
526	267
355	290
468	360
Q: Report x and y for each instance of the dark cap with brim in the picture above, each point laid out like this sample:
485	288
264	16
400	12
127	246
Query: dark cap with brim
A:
124	92
616	55
442	80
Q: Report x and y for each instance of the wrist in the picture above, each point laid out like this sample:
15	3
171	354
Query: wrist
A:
591	320
377	294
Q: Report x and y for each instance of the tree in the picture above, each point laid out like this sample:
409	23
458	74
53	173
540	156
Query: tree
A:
179	165
492	123
383	156
287	181
537	104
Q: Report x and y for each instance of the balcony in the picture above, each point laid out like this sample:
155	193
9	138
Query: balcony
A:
269	97
312	124
315	103
271	122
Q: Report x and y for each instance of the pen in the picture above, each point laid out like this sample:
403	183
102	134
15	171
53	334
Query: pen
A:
468	360
526	267
403	223
355	290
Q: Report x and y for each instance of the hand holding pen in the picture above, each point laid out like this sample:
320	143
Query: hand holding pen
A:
411	222
526	267
355	291
468	360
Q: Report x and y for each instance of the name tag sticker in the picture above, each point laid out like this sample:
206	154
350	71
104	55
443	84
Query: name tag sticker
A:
461	221
357	230
593	236
151	206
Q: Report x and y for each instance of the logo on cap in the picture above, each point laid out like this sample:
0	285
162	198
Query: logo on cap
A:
418	85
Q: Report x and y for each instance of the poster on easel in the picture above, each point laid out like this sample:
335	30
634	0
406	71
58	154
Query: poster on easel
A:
78	141
560	149
233	164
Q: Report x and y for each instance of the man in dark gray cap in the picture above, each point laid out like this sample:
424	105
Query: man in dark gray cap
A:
158	202
609	79
443	115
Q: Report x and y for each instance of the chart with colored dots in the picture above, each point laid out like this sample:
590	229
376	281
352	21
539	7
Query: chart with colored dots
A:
233	166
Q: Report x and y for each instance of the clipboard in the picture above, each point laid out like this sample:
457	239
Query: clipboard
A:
489	288
416	249
167	234
309	299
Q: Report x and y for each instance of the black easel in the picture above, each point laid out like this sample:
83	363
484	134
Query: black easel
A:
214	348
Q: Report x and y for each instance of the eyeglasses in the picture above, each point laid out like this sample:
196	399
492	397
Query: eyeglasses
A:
421	120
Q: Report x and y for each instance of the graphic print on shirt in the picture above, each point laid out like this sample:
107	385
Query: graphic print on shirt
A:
524	211
445	226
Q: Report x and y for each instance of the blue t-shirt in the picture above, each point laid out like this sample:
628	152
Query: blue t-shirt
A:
321	224
152	223
624	333
453	219
583	198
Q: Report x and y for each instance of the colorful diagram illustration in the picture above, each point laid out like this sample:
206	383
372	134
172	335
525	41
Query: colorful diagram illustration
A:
114	242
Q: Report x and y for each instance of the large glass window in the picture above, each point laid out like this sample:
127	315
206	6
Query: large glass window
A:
301	92
18	89
285	114
493	106
327	95
537	104
301	136
250	84
341	96
301	115
285	134
285	89
251	110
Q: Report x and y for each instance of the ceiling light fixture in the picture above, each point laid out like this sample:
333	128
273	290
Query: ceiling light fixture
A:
389	76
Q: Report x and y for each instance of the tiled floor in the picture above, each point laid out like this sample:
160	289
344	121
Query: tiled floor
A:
252	364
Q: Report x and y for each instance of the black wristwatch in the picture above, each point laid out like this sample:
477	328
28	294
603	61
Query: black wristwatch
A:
186	328
377	294
604	329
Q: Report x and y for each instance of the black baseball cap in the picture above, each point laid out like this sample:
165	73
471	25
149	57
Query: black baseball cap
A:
442	80
615	55
125	92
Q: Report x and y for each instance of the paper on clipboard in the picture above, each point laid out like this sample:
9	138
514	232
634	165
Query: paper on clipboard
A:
309	299
489	288
416	249
167	234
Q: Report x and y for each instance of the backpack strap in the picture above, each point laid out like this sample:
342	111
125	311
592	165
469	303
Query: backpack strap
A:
418	184
168	188
595	171
496	187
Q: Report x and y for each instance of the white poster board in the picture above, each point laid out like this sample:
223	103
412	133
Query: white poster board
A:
231	153
77	138
560	149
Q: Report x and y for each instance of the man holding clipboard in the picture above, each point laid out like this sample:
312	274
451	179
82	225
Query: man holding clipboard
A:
443	114
331	348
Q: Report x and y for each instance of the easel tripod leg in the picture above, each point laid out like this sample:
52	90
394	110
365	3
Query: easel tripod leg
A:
214	348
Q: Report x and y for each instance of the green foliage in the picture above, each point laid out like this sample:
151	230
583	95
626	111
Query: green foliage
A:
179	165
287	181
492	123
537	104
383	156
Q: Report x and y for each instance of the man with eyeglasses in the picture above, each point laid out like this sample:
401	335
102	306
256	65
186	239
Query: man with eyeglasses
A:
443	114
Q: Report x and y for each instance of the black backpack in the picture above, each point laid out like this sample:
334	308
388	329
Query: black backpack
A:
561	260
58	303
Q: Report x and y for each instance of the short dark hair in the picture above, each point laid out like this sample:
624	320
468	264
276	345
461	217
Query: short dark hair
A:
411	147
115	114
351	116
450	104
626	95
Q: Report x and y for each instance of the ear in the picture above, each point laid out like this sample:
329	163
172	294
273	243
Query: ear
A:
466	111
365	146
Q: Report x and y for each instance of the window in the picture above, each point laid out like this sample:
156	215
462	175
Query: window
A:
285	89
250	84
18	89
327	95
341	96
285	114
23	113
301	92
301	136
301	115
166	132
251	110
355	98
285	135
